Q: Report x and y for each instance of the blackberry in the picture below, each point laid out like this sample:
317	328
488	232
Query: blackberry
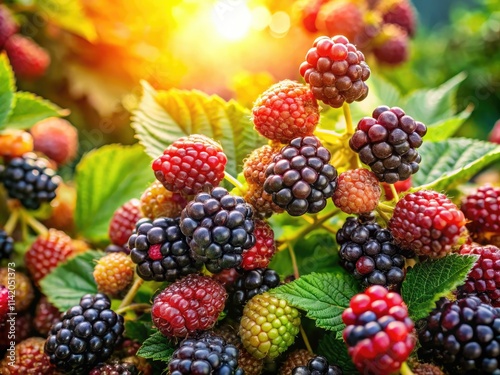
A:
207	354
115	368
249	284
29	180
160	250
218	227
29	359
6	245
336	71
260	255
299	357
86	335
317	366
463	336
261	201
482	209
300	178
387	142
369	252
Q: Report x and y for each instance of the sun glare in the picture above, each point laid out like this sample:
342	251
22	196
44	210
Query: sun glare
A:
232	21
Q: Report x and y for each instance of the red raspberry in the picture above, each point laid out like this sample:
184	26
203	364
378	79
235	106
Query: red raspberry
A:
309	10
378	331
495	133
27	58
113	273
48	250
24	293
336	71
340	18
30	359
358	191
46	315
484	278
428	223
8	25
4	304
189	305
285	111
123	222
254	167
391	46
401	186
15	143
56	138
482	208
190	163
401	13
260	255
157	202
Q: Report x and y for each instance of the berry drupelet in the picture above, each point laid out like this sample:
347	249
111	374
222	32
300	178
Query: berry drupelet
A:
261	253
296	358
156	201
369	252
387	142
123	222
160	250
358	191
336	71
482	209
86	335
218	227
300	177
6	245
317	366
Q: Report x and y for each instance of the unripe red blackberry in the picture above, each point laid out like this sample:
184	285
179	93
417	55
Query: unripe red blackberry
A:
161	251
56	138
24	293
46	315
426	369
207	354
114	368
86	335
29	359
370	254
227	277
254	167
261	201
340	18
8	25
28	179
483	280
15	143
263	338
285	111
6	245
123	222
189	305
248	285
428	223
48	250
22	326
113	273
4	304
261	253
299	357
391	45
358	191
157	202
401	186
463	336
336	71
190	163
28	59
378	331
317	366
387	142
399	12
300	177
482	209
218	227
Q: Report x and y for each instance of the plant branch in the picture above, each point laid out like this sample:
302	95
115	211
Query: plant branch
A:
127	300
233	181
394	193
349	128
383	215
12	222
306	340
38	227
296	273
326	132
134	306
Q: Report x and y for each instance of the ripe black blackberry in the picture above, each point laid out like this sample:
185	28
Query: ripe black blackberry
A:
368	251
387	142
115	368
463	336
86	335
160	250
249	284
207	354
218	227
317	366
29	180
6	245
300	178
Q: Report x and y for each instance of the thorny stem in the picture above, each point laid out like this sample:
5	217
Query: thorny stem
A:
131	293
134	306
306	340
38	227
394	193
296	273
405	369
233	181
12	222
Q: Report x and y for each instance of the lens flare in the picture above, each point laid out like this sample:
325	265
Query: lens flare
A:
232	21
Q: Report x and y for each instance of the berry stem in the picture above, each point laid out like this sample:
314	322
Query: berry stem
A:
349	128
405	369
38	227
382	214
394	193
135	306
296	273
233	181
330	135
12	222
131	293
305	339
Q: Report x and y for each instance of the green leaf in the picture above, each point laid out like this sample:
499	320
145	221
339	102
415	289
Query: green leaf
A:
7	89
67	283
164	116
139	329
324	296
105	179
449	163
335	351
69	15
430	280
157	347
444	129
30	109
430	106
